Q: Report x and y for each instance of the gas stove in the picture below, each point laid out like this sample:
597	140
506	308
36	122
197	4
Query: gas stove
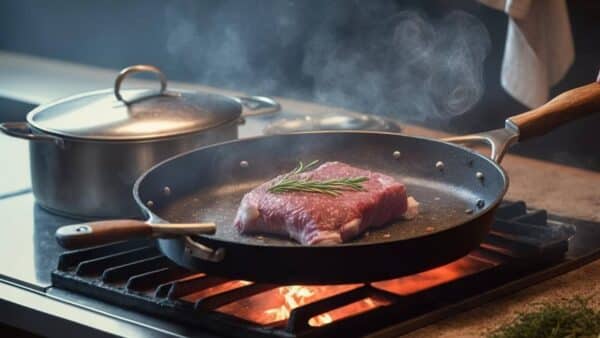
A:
130	289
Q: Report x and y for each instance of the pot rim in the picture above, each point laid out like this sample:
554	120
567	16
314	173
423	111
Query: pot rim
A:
64	138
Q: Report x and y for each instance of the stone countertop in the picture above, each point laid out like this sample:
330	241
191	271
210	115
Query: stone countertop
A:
477	322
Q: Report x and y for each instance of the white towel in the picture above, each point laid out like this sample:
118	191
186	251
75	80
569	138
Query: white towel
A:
539	47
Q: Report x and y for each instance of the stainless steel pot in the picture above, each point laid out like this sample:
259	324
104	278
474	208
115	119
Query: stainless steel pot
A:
86	151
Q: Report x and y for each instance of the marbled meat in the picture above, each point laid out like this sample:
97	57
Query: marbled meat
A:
316	218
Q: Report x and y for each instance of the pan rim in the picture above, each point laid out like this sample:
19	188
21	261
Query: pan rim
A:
481	212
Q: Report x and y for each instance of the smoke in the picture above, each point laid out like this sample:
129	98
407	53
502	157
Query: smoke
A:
404	64
407	66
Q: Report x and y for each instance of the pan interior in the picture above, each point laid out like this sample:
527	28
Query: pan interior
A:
215	182
439	210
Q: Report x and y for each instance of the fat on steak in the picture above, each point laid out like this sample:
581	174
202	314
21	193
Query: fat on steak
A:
315	218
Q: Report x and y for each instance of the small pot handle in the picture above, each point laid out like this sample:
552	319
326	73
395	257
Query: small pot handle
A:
138	69
568	106
82	235
22	130
258	105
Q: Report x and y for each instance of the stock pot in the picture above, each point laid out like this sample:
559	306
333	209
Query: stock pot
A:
86	151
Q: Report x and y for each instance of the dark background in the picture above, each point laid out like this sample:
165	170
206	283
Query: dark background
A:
119	33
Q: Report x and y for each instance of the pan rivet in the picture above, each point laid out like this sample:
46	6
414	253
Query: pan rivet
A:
479	175
150	204
244	164
396	154
167	191
439	165
480	203
468	211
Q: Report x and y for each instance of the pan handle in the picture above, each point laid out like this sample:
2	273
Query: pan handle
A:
82	235
499	141
566	107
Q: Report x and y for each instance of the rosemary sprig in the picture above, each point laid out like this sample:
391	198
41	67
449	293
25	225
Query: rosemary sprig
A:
573	317
332	187
302	168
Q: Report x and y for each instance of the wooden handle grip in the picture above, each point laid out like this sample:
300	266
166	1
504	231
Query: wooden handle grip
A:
82	235
568	106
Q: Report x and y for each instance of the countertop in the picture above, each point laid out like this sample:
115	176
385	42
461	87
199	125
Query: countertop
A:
560	189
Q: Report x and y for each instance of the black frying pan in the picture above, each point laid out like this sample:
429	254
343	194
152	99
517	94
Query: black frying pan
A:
458	189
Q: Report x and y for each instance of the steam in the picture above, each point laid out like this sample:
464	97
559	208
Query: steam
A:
404	65
408	66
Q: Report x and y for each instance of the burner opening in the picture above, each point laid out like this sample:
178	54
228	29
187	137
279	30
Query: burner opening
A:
352	309
135	274
275	306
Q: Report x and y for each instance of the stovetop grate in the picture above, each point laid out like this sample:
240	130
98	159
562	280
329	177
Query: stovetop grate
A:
135	274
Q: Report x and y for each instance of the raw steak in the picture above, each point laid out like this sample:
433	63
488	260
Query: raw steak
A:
315	218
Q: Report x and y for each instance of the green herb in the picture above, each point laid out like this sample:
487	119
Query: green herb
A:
570	318
333	187
302	168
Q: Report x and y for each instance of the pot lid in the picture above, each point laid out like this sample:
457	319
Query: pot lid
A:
134	114
337	121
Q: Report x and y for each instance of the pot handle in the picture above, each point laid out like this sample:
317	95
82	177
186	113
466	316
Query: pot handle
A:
82	235
568	106
258	105
138	69
22	130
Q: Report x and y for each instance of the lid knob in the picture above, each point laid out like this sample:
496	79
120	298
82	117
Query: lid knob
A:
139	69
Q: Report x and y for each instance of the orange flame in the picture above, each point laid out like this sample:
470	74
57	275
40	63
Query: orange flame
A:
276	305
273	307
351	309
215	290
294	296
414	283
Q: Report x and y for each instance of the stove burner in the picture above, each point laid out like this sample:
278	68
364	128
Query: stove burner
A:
338	121
135	274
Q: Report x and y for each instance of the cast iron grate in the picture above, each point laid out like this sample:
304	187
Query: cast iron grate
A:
135	274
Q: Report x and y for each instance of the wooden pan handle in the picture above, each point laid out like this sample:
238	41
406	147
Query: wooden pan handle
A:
568	106
82	235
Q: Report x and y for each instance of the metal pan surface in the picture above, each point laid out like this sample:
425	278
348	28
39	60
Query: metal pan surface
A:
456	198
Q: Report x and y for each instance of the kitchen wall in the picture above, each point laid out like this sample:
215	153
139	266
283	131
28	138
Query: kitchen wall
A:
260	47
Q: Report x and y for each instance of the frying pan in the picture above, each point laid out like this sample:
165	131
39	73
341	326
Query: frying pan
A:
458	189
